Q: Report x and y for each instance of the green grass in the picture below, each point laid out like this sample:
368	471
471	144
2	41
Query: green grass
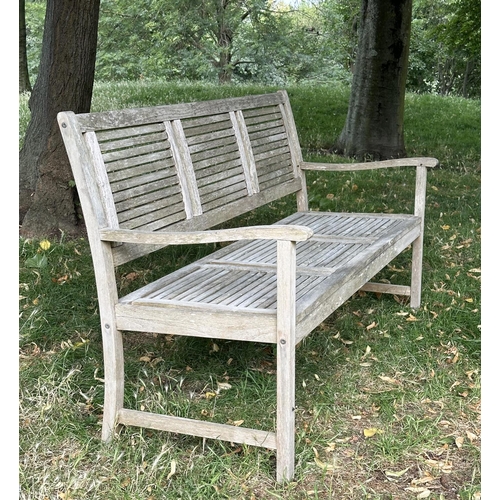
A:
412	378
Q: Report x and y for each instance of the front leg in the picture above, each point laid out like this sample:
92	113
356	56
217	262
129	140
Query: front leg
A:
285	414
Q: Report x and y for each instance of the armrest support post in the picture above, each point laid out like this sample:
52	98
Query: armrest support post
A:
285	368
418	244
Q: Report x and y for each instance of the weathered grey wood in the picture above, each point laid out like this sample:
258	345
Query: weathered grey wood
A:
399	162
167	175
418	244
386	288
246	153
81	159
198	428
174	318
285	232
285	364
184	167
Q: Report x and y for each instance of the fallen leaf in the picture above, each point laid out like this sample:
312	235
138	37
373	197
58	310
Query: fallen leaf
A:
411	318
173	467
423	480
396	474
371	325
459	441
330	447
472	437
424	494
224	386
389	380
371	432
210	395
320	463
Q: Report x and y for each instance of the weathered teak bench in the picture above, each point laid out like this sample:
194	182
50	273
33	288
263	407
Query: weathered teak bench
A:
165	175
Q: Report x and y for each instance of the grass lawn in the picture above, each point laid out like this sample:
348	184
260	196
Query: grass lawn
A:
388	399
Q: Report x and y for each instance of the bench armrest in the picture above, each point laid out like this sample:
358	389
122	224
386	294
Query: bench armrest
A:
275	232
345	167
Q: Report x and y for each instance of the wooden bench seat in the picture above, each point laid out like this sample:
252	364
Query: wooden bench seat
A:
166	175
345	251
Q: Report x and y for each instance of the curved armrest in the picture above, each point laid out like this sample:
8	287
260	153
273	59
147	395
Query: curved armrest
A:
345	167
275	232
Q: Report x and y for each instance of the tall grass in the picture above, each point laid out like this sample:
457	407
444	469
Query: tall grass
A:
388	399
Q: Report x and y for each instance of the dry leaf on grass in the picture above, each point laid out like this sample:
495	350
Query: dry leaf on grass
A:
397	474
368	433
321	464
389	380
173	467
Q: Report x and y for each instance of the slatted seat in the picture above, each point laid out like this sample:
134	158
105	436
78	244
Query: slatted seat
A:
166	175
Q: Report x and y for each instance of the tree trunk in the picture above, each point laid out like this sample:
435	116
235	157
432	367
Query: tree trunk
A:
225	44
374	124
24	77
65	82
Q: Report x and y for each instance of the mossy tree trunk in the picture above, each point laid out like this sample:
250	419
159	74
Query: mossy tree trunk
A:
65	82
374	124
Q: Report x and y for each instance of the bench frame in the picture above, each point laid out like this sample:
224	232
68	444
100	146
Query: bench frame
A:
113	242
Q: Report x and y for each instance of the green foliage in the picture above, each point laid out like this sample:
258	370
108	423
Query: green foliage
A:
269	42
35	18
413	376
445	51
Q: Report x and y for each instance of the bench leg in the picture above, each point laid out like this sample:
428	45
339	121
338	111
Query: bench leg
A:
285	376
418	244
113	378
285	416
416	273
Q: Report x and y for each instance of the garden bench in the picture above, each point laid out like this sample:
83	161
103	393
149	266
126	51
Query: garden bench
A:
167	175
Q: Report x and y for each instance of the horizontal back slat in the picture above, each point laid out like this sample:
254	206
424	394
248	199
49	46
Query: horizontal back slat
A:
158	114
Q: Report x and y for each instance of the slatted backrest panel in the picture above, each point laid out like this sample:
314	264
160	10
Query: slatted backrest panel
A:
270	145
216	160
191	166
142	176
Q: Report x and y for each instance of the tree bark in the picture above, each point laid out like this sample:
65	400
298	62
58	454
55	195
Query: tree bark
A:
65	82
374	124
24	77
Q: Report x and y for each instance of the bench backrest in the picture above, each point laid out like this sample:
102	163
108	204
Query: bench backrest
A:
182	166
